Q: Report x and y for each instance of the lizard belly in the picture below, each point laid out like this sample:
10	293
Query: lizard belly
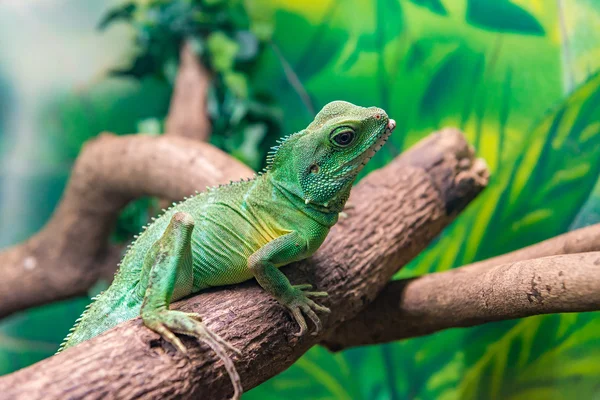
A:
222	242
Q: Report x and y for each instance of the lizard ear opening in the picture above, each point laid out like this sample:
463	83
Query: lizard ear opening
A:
314	169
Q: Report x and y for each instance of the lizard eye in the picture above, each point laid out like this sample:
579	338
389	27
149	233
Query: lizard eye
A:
342	136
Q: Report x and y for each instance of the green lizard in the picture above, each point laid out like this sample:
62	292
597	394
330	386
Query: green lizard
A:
243	230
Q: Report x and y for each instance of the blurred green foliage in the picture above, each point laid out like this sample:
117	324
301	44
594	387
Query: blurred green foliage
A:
110	105
220	32
495	69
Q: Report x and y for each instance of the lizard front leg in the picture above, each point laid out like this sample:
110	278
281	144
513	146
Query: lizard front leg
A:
263	263
167	275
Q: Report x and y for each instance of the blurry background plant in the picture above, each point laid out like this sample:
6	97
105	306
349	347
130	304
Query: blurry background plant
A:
220	33
518	77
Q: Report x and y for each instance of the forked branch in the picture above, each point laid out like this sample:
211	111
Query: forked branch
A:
72	252
396	211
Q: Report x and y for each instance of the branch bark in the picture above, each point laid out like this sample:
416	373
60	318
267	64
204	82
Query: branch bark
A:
188	111
489	290
469	296
397	211
578	241
72	252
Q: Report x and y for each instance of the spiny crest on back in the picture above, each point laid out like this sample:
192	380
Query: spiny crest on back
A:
77	322
273	151
164	213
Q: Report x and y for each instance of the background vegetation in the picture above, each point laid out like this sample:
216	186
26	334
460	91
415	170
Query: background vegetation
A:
519	77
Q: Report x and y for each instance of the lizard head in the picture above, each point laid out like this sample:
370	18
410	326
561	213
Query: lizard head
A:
324	159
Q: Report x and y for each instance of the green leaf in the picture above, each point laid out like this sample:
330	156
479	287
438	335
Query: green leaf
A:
502	16
133	217
248	151
429	54
589	214
237	83
535	198
441	83
142	65
434	6
553	176
317	375
122	12
322	44
453	82
223	51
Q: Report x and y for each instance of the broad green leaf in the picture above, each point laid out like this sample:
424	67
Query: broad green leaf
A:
429	68
317	375
459	72
434	6
503	16
429	54
536	198
589	213
560	167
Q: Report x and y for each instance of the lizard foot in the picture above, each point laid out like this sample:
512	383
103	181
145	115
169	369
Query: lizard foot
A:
168	322
301	303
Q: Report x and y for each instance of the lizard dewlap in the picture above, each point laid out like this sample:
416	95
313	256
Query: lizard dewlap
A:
243	230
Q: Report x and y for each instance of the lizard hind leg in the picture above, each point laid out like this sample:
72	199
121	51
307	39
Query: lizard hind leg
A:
167	276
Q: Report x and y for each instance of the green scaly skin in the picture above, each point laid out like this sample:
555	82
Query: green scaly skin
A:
243	230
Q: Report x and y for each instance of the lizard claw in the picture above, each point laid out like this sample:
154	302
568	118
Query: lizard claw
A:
168	322
301	305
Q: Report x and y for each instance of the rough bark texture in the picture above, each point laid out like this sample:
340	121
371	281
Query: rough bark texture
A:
400	312
188	113
470	296
396	212
71	252
578	241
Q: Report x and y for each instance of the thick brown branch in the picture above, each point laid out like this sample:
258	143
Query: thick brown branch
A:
397	211
579	241
388	309
470	296
188	112
71	252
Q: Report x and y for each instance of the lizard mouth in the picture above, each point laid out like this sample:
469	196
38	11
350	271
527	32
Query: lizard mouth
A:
352	168
382	137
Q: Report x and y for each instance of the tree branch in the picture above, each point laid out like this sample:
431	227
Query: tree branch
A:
578	241
388	319
397	211
470	296
188	112
71	252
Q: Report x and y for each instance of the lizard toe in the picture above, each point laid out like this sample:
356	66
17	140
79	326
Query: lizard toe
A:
297	314
165	322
